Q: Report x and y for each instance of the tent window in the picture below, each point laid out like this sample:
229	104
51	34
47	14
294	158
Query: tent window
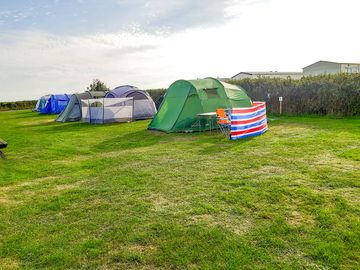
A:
137	95
211	92
235	94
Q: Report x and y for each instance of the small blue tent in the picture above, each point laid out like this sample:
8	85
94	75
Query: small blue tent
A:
56	104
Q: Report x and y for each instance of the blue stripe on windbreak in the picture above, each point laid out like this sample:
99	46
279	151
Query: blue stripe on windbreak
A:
258	123
247	116
236	137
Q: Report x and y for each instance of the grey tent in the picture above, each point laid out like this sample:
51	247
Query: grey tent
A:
72	111
144	106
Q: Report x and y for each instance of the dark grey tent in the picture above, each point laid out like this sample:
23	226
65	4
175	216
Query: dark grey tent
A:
72	111
144	106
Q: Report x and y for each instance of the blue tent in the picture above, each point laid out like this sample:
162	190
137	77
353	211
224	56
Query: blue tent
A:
56	104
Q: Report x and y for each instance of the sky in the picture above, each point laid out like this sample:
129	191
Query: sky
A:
60	46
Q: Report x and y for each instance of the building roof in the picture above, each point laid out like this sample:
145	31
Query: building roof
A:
267	73
330	62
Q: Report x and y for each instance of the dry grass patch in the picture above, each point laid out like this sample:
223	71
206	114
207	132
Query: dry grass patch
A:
142	248
7	201
19	193
72	160
235	224
62	187
31	183
352	195
36	123
160	203
267	171
333	161
291	130
9	264
299	218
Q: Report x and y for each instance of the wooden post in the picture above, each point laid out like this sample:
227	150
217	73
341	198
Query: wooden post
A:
280	100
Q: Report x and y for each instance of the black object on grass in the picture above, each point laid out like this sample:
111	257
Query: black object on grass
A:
3	145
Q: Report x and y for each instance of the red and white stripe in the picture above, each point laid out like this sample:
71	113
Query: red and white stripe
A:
246	122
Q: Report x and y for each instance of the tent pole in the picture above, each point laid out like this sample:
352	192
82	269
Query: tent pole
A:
132	118
89	111
103	120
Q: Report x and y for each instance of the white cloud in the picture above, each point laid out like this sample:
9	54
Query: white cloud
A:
271	35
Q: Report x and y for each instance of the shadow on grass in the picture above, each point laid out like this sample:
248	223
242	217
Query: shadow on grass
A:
131	140
209	142
51	127
22	115
132	137
219	144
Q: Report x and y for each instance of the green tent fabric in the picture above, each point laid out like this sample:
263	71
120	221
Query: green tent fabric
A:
185	99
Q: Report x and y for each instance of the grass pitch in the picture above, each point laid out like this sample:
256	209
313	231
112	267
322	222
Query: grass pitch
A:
119	196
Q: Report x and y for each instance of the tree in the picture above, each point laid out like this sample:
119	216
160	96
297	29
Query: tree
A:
98	85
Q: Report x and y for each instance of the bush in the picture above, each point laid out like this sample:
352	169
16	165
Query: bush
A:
157	95
17	105
324	95
98	85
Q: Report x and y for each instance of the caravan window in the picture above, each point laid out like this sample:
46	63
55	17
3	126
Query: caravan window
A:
211	92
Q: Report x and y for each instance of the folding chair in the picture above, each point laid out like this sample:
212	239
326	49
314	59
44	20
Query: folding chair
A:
223	121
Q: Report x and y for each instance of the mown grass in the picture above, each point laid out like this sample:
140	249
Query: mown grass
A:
121	197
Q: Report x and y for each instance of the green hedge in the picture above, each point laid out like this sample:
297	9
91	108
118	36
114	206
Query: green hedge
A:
17	105
325	95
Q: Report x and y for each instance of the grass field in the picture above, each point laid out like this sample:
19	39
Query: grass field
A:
120	197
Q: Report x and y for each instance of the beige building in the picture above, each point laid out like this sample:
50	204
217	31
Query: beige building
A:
326	67
318	68
269	74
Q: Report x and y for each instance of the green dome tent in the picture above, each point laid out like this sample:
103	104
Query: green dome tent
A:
184	100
